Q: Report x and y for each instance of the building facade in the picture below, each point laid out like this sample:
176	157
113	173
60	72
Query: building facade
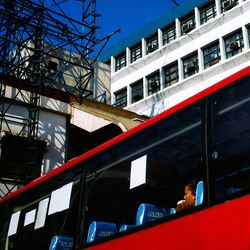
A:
183	52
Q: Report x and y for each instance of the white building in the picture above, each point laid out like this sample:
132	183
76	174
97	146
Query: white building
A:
181	53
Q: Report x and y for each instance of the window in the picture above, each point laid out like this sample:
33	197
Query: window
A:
230	127
153	83
136	52
172	153
121	98
171	74
137	91
120	62
40	219
228	4
152	44
190	65
187	24
234	44
211	54
169	34
208	12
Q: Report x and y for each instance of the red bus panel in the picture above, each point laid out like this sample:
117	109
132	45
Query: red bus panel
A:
225	226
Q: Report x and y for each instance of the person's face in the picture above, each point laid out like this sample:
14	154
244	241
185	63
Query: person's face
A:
189	197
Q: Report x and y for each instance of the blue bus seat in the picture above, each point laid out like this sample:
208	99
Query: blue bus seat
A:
125	227
172	210
148	212
199	193
61	243
99	229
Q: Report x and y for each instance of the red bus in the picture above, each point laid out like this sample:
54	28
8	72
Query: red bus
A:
121	195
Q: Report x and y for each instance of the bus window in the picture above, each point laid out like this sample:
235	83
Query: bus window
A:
230	119
168	155
40	215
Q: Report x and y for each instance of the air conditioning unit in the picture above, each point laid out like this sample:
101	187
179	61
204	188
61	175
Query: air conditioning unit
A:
234	45
186	27
151	47
229	4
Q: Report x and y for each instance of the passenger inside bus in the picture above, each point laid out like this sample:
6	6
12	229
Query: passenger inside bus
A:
189	196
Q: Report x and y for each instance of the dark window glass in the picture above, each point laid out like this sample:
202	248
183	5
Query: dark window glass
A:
211	54
136	53
172	153
152	44
234	44
187	24
42	215
153	83
120	62
137	91
171	74
169	34
208	12
190	65
231	138
121	98
228	4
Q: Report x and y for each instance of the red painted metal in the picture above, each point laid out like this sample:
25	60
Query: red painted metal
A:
222	227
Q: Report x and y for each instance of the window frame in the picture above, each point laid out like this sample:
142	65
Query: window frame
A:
120	62
234	43
169	71
233	3
166	132
190	64
121	98
154	77
169	34
215	154
189	21
135	53
204	16
134	92
153	42
211	57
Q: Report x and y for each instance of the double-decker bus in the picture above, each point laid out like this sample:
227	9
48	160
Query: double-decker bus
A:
122	194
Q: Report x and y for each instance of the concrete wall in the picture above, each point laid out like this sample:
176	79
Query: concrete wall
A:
102	81
53	115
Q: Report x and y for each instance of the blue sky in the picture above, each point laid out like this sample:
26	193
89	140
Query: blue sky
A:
129	15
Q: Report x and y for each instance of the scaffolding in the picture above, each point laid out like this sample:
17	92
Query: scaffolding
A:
41	46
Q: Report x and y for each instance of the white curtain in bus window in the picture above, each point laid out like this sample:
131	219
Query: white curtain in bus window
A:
138	172
30	217
41	213
13	223
60	199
